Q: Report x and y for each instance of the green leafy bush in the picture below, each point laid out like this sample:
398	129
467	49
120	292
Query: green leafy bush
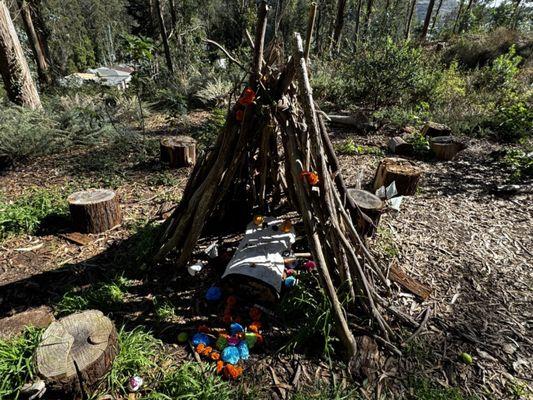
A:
26	213
105	296
16	362
520	160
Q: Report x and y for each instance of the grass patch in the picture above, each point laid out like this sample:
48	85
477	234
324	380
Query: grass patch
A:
138	356
164	311
189	382
16	362
386	244
26	213
349	148
104	296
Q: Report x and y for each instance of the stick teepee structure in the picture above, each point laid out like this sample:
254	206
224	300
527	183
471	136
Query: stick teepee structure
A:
275	144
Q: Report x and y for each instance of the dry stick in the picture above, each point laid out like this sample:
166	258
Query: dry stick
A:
259	44
301	187
249	39
427	313
227	54
310	29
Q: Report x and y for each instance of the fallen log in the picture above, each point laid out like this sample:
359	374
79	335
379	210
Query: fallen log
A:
76	352
95	210
403	172
412	285
399	146
178	152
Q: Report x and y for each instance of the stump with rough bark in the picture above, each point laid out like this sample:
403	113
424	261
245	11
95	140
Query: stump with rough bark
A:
371	205
445	147
178	152
403	172
94	211
76	352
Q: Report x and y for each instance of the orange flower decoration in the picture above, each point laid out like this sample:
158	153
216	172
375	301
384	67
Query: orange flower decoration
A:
255	314
247	97
220	366
200	348
239	115
207	350
311	177
230	371
215	356
255	327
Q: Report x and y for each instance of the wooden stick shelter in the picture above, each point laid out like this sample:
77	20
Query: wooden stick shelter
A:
277	145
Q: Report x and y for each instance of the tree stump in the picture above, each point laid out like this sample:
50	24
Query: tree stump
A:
403	172
95	210
76	352
399	146
432	129
445	147
371	205
178	152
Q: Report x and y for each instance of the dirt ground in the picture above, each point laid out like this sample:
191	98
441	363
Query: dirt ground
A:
472	247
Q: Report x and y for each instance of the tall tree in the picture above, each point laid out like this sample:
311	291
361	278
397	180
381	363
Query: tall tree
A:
458	16
358	19
410	14
339	23
427	20
35	43
164	36
173	17
15	72
516	12
435	17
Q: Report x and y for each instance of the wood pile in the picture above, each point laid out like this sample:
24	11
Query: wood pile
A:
275	145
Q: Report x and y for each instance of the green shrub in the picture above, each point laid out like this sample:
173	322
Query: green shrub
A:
16	362
520	161
349	148
206	135
26	213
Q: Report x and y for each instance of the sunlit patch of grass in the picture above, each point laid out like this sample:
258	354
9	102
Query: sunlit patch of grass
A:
326	392
349	148
164	311
25	214
16	362
424	389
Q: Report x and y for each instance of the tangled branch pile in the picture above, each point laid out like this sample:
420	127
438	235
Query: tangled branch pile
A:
275	145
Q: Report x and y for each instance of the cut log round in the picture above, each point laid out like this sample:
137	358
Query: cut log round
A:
178	151
95	210
445	147
371	205
403	172
432	129
76	352
399	146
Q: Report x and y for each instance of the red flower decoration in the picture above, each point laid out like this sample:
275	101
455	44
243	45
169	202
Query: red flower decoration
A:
247	97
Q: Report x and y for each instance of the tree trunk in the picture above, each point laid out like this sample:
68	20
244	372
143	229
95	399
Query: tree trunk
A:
403	172
367	15
410	19
339	23
76	352
14	68
178	152
427	20
33	38
371	205
459	12
358	20
436	15
464	19
173	16
94	211
514	19
164	36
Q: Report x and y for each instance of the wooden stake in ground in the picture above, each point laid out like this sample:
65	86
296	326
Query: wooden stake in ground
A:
76	352
403	172
19	85
178	152
94	211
